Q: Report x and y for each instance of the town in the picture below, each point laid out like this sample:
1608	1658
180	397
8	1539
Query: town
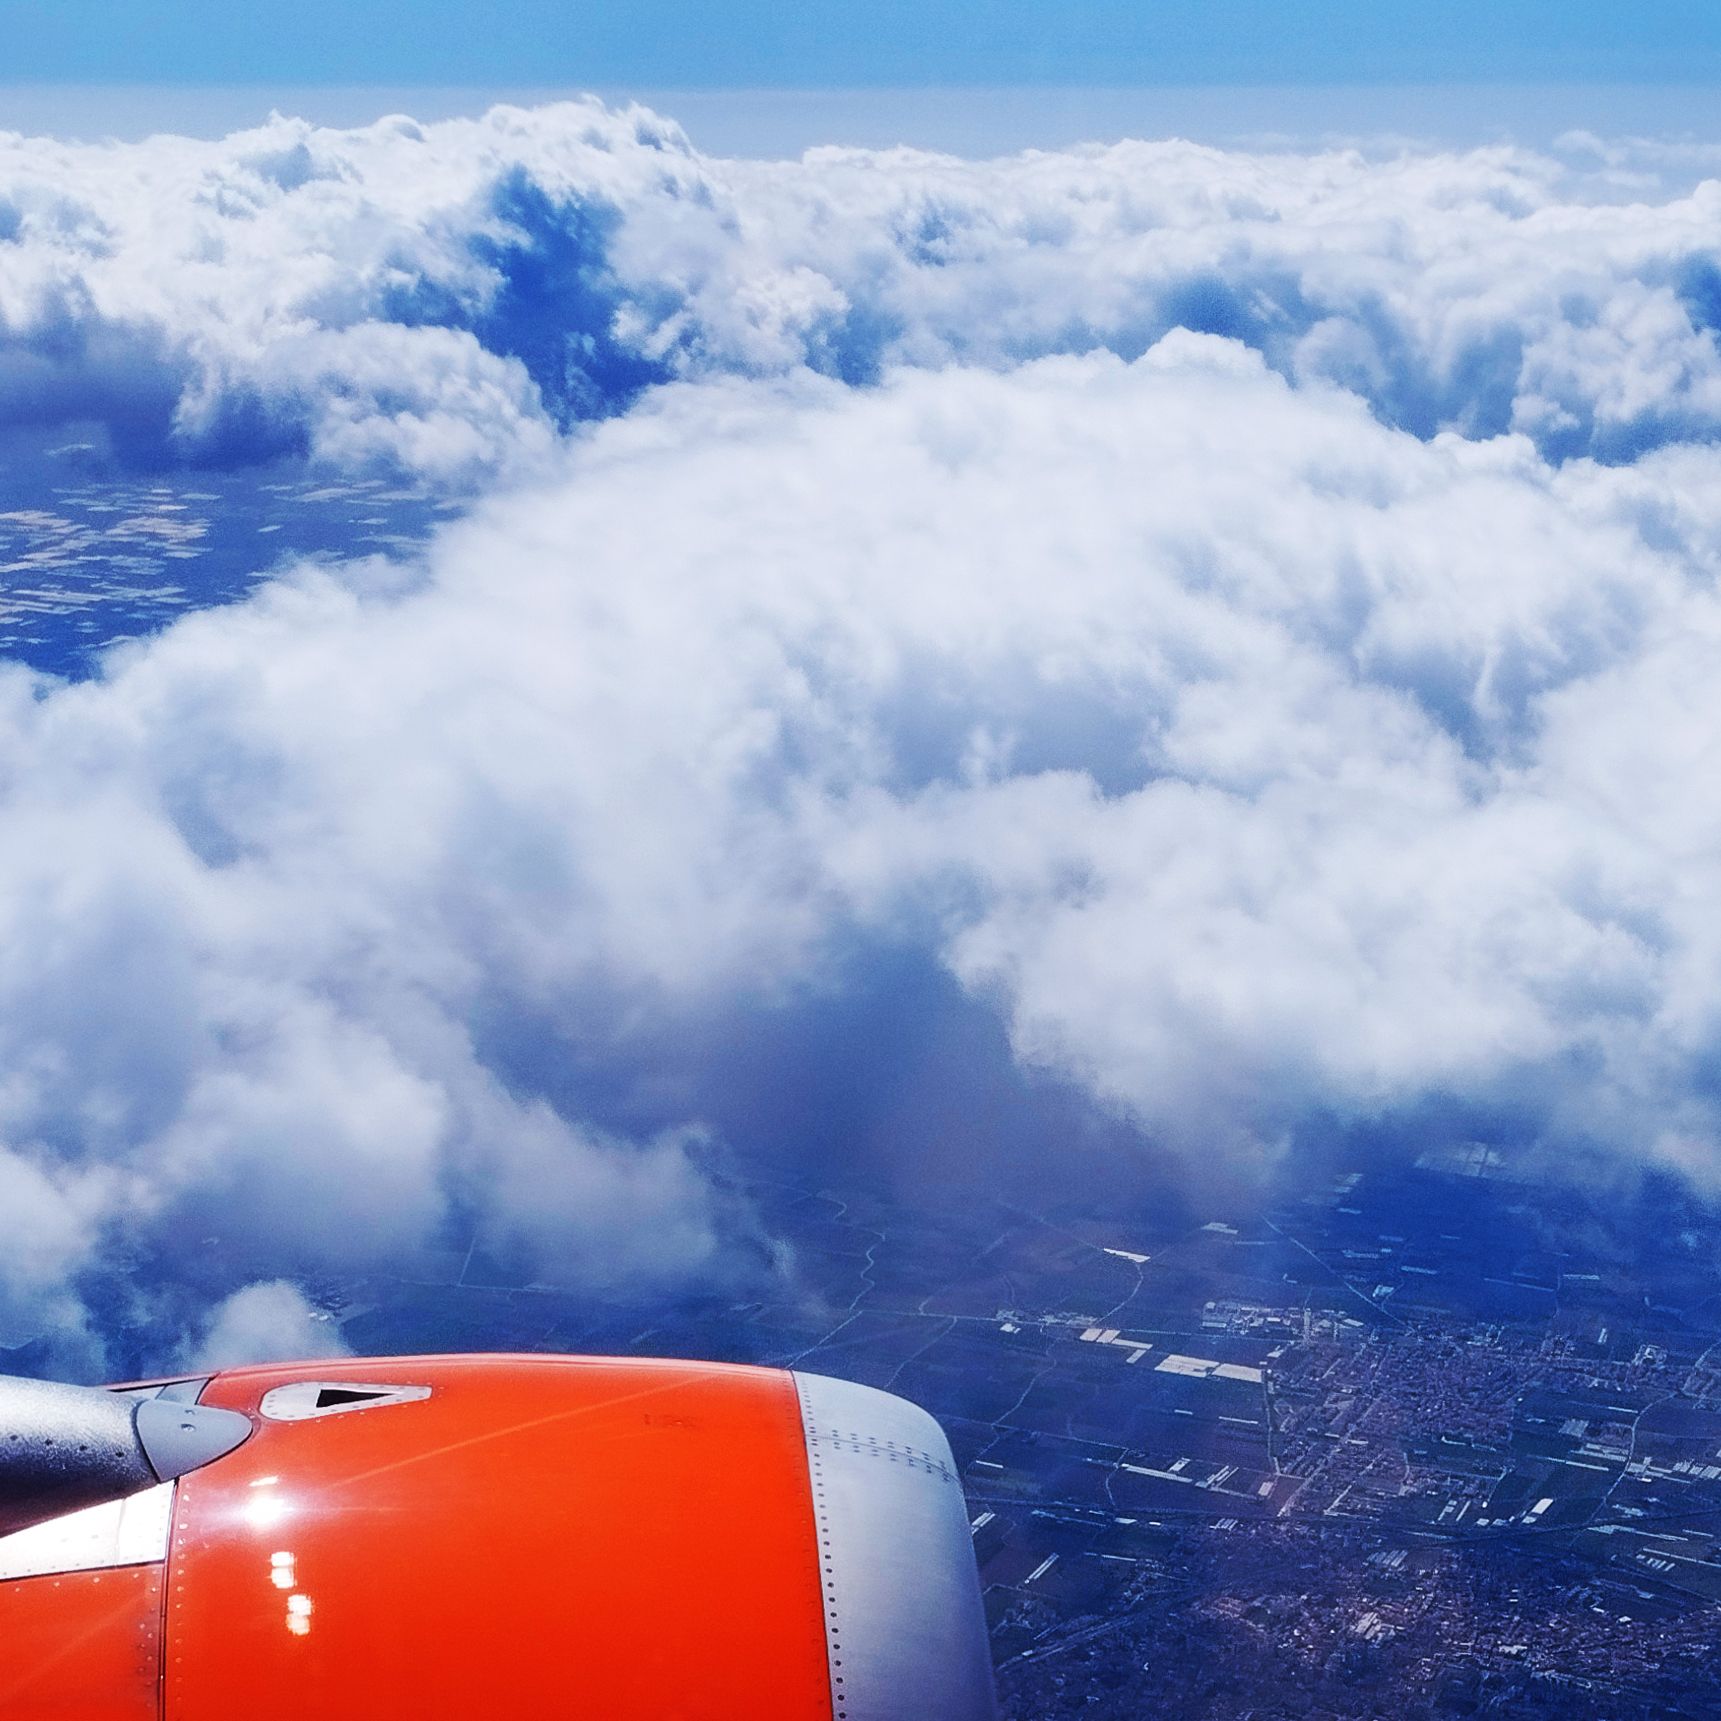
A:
1442	1439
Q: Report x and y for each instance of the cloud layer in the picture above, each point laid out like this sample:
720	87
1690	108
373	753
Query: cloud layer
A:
1227	643
446	298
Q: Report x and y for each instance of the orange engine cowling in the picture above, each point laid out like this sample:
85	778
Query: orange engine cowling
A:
504	1536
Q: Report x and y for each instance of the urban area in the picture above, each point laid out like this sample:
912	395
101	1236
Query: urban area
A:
1441	1440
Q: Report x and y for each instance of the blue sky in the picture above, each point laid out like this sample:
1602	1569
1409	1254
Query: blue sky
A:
693	44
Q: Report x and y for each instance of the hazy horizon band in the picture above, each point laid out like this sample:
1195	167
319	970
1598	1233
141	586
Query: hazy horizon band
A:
970	121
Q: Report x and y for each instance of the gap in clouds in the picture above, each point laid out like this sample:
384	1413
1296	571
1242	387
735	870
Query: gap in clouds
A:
95	551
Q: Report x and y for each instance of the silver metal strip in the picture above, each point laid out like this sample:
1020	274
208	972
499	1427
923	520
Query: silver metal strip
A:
129	1532
904	1628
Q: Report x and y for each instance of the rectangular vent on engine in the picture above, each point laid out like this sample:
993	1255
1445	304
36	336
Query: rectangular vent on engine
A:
301	1399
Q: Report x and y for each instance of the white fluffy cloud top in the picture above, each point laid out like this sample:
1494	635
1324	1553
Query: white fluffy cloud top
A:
1249	624
446	297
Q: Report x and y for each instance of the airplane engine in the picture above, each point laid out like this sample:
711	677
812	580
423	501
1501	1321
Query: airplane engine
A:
484	1537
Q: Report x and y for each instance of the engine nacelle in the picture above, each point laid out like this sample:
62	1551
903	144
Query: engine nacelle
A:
496	1537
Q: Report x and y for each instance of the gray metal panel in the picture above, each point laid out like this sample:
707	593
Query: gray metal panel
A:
178	1438
904	1627
184	1391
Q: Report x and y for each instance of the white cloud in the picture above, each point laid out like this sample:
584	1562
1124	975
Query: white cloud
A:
270	1322
1258	750
441	296
1239	747
49	1226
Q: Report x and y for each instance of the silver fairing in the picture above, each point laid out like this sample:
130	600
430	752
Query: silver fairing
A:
904	1627
66	1448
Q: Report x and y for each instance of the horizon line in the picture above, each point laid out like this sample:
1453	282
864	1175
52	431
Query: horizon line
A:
967	120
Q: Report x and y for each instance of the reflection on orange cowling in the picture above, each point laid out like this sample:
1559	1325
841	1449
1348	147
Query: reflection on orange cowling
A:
627	1540
81	1646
